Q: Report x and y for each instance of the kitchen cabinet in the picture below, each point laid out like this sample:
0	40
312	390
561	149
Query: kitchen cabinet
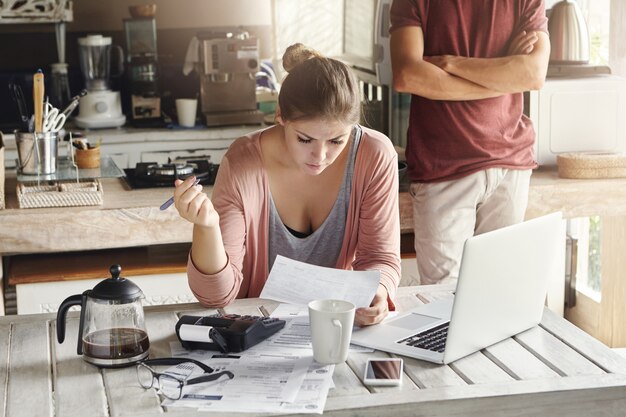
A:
122	160
214	154
128	154
43	281
128	146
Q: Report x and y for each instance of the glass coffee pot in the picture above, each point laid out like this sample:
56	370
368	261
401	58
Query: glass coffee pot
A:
112	331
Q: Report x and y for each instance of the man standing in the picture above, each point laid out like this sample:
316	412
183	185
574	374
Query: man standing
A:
469	148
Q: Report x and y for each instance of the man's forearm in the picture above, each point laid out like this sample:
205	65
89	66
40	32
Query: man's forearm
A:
457	78
427	80
511	74
514	73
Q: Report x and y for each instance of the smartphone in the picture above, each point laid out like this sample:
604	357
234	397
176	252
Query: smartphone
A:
383	371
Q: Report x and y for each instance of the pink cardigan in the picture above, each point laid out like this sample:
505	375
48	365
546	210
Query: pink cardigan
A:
241	197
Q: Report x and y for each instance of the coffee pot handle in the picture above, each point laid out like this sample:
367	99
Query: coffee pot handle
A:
74	300
120	60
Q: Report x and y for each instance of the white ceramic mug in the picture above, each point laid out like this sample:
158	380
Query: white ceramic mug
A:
186	110
331	329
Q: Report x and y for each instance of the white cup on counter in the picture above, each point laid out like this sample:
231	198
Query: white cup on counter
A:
331	329
186	110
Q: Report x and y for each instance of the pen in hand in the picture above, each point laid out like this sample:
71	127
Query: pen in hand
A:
169	202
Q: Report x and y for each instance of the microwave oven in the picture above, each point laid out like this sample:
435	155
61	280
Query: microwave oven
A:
578	114
366	40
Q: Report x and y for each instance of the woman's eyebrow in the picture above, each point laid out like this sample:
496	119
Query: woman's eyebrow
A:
312	138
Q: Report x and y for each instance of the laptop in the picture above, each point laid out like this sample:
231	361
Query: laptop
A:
501	291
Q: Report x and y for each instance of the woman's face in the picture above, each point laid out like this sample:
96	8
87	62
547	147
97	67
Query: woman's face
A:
315	144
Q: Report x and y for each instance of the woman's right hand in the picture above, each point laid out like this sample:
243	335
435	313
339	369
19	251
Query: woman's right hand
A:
194	205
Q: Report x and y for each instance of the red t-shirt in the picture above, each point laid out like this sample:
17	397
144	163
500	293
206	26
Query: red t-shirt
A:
452	139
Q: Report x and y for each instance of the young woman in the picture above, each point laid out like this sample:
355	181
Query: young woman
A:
316	187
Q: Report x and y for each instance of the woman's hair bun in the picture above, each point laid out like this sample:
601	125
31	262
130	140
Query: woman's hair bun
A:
297	54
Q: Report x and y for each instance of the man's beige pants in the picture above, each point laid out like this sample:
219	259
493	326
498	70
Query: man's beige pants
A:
446	214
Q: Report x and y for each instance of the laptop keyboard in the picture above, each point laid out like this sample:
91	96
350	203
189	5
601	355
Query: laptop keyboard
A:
432	339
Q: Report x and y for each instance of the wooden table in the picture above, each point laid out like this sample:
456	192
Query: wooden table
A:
551	370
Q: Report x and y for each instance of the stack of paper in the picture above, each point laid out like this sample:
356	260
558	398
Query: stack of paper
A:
279	374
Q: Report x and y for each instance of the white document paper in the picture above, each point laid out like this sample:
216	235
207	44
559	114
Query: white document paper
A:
311	397
273	378
286	311
297	282
269	377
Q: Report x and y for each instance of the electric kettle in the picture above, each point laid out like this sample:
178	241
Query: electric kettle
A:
112	331
569	37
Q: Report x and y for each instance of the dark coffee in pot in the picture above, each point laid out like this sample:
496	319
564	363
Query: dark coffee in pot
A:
118	343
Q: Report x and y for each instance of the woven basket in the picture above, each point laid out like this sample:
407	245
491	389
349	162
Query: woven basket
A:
70	194
591	165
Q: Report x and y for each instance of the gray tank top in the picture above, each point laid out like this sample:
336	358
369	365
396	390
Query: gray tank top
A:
322	247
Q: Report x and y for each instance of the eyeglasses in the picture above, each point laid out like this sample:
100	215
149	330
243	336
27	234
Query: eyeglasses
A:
169	384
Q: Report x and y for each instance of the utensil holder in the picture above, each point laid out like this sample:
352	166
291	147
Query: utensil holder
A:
37	152
87	158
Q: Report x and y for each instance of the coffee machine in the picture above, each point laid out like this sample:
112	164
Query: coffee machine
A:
227	67
145	102
102	107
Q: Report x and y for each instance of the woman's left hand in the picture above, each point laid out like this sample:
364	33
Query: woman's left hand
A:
377	310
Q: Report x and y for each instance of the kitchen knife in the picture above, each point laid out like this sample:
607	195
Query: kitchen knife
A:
38	92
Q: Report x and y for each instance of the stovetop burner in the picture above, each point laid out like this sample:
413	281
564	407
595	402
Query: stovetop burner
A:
152	174
174	169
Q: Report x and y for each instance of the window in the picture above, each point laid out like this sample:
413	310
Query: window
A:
597	16
586	232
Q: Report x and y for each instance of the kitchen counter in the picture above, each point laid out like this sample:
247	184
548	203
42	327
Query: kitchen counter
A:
575	197
132	217
127	218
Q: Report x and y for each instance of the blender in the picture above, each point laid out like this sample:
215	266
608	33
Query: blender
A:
102	107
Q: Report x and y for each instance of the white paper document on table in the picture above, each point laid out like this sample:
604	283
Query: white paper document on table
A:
297	282
277	375
310	398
